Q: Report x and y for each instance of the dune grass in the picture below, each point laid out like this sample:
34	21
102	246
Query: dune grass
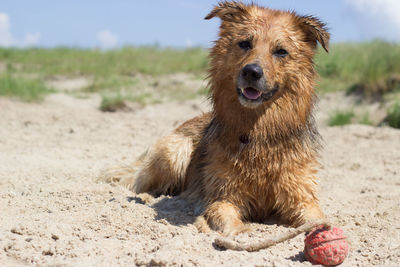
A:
369	69
125	61
29	90
110	83
111	71
112	103
340	118
365	119
393	117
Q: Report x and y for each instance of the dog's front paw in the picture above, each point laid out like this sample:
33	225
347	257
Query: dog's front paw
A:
225	218
308	214
235	229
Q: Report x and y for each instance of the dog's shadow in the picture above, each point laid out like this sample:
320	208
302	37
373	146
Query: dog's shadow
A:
180	211
176	210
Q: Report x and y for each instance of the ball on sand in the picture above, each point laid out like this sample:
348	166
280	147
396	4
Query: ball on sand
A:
326	247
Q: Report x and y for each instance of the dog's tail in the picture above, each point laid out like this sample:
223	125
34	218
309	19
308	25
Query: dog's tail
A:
162	170
159	171
123	174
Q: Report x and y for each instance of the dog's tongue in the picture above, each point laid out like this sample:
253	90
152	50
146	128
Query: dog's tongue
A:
251	93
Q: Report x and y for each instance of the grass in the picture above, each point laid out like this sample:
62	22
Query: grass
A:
366	68
112	103
369	69
29	90
145	75
365	119
112	71
344	117
340	118
150	91
126	61
114	83
393	116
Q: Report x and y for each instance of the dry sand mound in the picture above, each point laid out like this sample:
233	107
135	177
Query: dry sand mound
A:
53	213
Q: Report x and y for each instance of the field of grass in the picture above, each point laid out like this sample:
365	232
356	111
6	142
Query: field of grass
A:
393	117
340	118
344	117
370	70
365	68
113	73
121	62
29	90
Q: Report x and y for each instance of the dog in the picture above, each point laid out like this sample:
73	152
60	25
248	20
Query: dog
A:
255	154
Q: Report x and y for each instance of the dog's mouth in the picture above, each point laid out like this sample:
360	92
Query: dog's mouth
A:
253	95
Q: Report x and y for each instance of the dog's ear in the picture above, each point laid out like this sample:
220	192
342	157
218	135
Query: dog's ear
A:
228	11
315	31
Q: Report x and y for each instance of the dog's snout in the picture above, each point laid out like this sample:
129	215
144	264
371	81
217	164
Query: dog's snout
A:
252	72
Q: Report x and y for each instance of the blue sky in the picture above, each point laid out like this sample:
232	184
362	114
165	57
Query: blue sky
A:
107	24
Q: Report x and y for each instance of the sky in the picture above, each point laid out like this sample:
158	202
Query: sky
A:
179	23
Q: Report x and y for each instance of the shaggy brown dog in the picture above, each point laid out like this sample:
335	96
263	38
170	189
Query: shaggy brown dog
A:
255	153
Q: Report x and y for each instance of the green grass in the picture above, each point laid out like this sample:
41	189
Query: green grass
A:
114	83
393	116
149	92
112	103
365	119
121	62
371	68
112	71
23	89
340	118
367	68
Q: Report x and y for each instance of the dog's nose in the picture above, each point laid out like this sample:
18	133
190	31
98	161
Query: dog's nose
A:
252	72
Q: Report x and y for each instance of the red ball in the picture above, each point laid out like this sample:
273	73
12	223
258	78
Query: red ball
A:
326	247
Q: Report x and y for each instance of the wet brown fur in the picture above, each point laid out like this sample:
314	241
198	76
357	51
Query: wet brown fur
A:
273	171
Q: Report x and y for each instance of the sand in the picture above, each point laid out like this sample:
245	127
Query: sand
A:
54	213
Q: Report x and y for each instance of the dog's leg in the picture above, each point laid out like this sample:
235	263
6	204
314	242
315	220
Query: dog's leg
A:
301	213
301	208
313	212
224	217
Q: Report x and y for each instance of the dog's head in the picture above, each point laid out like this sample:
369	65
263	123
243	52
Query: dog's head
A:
263	54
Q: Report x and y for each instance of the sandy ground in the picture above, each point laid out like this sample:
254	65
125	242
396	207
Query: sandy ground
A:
53	213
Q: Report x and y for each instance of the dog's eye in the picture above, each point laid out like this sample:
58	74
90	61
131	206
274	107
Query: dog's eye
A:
245	45
281	53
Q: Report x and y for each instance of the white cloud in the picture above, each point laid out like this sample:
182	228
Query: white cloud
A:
6	38
385	10
188	42
32	39
107	39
